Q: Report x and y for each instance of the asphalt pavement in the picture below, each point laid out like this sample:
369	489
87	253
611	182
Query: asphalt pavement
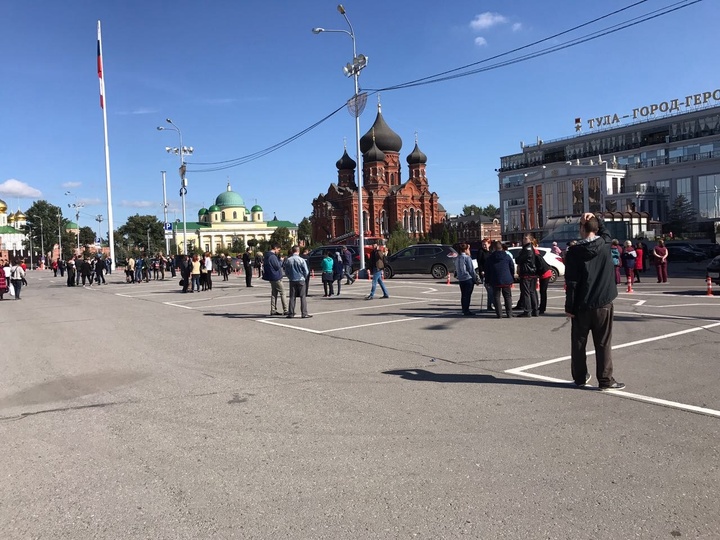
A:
132	411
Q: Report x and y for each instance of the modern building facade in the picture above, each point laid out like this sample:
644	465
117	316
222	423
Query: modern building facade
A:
637	169
387	199
229	219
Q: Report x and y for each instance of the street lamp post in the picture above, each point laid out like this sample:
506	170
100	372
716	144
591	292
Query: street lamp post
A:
356	108
99	219
77	206
180	151
165	217
60	255
42	243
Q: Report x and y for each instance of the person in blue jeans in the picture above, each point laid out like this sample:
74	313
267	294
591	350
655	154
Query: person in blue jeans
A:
377	267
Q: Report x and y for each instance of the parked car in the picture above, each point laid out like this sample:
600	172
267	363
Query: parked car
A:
555	261
683	254
714	265
316	256
435	259
710	249
688	245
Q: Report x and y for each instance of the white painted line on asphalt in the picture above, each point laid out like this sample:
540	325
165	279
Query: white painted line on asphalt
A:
275	323
686	305
522	372
263	301
369	324
178	305
640	302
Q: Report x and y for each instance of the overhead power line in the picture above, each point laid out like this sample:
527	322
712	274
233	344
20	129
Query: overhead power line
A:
464	71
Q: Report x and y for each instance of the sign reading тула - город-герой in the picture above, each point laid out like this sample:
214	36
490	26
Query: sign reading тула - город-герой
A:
693	100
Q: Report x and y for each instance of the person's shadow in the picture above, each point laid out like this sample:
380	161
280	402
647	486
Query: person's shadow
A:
423	375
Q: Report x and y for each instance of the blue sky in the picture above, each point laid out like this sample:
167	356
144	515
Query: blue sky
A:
238	77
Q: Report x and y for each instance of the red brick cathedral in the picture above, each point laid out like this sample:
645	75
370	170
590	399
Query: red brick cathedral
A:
387	200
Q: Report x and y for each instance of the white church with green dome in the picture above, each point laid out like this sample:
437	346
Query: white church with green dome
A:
228	219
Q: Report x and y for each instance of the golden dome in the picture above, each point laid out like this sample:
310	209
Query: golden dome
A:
20	216
11	218
3	206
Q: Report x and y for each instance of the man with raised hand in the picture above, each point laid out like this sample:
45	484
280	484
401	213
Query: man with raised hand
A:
591	289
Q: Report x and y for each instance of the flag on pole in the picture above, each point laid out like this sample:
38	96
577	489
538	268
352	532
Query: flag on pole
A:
100	69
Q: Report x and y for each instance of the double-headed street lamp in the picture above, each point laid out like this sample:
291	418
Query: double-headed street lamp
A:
77	206
356	105
180	151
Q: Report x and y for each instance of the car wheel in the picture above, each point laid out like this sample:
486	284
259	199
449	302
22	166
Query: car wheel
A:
554	276
438	271
387	273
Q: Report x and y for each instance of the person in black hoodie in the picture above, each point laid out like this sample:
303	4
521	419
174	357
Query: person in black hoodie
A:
482	256
591	289
528	274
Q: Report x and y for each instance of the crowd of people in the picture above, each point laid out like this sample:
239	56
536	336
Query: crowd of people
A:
12	278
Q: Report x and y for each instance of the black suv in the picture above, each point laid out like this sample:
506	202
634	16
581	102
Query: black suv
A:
318	254
435	259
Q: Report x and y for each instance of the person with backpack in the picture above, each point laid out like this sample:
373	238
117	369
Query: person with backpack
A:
528	274
616	253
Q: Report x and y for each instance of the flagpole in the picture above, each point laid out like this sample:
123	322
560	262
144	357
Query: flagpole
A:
103	103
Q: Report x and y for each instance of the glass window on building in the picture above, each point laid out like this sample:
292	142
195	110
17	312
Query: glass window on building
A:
563	206
683	186
539	206
594	195
709	196
578	196
531	207
549	201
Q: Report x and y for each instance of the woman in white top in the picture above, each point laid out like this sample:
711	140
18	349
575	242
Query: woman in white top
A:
17	274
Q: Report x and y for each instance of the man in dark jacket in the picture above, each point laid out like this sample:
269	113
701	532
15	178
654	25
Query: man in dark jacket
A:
482	256
527	273
247	267
185	268
591	289
272	272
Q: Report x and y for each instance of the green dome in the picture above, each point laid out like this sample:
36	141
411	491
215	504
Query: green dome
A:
70	226
202	211
257	208
214	208
247	211
229	198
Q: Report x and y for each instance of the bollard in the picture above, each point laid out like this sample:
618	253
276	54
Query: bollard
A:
630	283
708	279
447	282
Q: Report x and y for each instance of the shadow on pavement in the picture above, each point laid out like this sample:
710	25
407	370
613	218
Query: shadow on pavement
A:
469	378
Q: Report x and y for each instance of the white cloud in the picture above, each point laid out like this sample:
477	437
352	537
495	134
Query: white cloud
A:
487	20
90	202
139	110
517	27
71	184
16	188
138	204
480	41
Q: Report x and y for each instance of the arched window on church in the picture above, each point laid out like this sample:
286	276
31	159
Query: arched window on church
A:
234	215
419	221
383	223
223	216
347	222
412	220
406	225
392	178
366	221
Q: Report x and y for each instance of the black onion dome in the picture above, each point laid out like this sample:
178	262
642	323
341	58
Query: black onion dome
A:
345	162
374	154
385	138
416	156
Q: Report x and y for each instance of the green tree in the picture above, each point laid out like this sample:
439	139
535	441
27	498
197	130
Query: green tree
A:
46	222
238	245
305	231
490	210
445	238
87	236
681	216
252	243
398	239
136	229
471	209
282	237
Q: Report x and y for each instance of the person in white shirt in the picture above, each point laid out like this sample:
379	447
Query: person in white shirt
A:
207	261
17	274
